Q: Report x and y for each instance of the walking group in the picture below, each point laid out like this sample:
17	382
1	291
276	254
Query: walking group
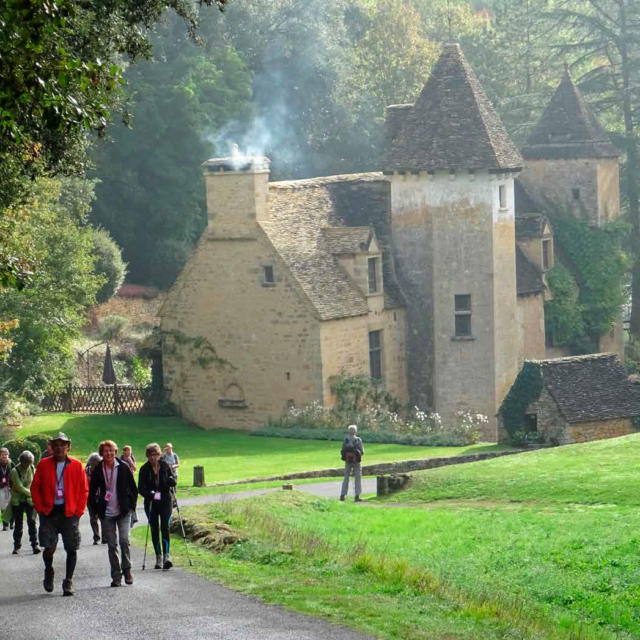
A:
59	489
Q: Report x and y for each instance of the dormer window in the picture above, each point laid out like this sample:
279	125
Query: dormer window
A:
268	279
373	274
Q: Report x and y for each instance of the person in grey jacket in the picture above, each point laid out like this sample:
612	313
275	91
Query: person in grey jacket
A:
352	452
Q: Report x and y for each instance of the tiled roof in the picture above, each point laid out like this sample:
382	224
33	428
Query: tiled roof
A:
452	125
568	129
302	225
528	275
342	240
592	387
531	226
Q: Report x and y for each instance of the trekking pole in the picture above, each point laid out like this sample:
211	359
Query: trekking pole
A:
184	535
146	540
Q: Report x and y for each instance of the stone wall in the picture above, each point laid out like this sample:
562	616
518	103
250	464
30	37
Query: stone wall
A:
598	430
551	424
597	180
273	355
451	237
530	322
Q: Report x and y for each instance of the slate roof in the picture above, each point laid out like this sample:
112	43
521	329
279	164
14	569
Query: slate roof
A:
342	240
592	387
531	226
525	203
452	125
568	129
528	275
302	225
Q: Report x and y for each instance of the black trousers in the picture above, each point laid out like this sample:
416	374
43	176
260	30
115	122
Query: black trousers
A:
159	516
19	511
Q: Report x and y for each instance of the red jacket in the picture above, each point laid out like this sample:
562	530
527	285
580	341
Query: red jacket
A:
76	489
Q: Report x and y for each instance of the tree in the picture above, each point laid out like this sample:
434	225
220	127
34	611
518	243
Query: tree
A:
150	194
51	307
108	264
604	42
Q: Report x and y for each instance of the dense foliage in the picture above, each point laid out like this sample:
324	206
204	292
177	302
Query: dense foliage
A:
51	308
523	392
598	266
108	264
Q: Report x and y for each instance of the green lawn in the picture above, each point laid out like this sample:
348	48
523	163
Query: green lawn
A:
226	455
540	545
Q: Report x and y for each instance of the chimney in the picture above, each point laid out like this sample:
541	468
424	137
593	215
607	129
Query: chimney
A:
237	188
395	115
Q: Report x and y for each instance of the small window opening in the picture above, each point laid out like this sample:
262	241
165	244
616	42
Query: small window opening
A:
546	255
373	275
288	375
531	422
375	355
267	271
502	196
576	193
462	312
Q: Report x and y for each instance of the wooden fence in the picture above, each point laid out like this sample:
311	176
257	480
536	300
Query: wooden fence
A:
114	399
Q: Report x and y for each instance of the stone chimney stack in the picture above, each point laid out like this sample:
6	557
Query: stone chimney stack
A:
237	194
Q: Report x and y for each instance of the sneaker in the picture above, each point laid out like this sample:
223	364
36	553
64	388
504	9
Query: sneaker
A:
167	564
16	551
5	526
158	564
116	582
47	583
36	549
128	576
67	587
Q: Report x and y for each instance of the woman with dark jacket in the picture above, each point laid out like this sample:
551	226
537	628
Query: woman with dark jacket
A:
156	483
113	493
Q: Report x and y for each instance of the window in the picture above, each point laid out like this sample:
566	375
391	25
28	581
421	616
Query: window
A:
531	422
373	275
375	355
267	273
546	255
576	194
462	311
502	196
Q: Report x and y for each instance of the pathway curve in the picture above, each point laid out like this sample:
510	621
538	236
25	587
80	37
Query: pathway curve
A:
160	605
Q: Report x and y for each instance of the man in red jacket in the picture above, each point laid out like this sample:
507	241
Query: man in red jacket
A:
59	491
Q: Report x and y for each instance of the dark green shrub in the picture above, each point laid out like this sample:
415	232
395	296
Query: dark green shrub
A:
18	445
40	439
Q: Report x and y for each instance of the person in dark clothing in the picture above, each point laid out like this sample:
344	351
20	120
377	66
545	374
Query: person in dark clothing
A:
113	494
156	484
94	520
5	487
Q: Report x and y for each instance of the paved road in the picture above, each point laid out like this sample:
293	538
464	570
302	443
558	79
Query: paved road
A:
172	605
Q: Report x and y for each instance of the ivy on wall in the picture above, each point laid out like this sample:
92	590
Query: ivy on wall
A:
588	295
523	392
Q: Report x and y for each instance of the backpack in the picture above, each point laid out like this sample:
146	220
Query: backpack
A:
350	453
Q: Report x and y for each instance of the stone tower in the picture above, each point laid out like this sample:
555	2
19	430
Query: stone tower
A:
451	166
570	161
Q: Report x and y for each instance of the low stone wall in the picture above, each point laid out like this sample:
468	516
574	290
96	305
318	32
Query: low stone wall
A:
383	468
599	430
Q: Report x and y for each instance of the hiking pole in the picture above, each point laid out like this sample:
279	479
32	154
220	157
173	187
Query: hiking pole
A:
184	535
146	540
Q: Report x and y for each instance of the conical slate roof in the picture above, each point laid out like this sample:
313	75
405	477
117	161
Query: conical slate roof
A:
568	129
452	125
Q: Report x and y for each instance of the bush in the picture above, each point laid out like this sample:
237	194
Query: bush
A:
18	445
40	439
108	264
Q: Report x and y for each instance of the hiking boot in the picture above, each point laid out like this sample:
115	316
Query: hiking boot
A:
158	564
36	549
341	498
116	582
67	587
166	563
96	539
5	526
357	499
128	576
47	583
16	551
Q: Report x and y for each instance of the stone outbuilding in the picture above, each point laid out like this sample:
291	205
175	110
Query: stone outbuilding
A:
572	399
